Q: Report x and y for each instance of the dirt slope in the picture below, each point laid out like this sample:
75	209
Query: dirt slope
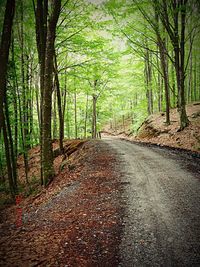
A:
154	130
74	222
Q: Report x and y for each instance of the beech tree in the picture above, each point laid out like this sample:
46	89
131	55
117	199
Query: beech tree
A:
4	119
76	66
47	15
177	38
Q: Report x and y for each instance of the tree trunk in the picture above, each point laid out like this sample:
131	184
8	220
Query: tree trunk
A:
47	153
8	159
54	115
166	82
64	96
164	66
15	103
68	119
94	117
59	103
195	79
86	117
11	147
159	86
148	80
45	37
182	110
41	34
4	54
24	123
173	86
179	49
75	117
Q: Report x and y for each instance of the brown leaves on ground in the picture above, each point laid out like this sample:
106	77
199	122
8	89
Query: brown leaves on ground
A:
70	146
169	135
74	222
154	130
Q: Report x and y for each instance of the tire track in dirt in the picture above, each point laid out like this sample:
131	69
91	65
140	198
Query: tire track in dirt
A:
162	207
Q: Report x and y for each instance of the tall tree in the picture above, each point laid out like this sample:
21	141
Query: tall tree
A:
47	14
4	53
177	9
47	155
41	35
59	102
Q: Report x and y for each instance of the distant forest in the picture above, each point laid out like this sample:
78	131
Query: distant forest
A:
68	68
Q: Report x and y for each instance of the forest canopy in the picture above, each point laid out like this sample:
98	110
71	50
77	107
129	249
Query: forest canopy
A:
68	68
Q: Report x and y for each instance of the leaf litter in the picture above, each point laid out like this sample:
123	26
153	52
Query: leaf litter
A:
76	221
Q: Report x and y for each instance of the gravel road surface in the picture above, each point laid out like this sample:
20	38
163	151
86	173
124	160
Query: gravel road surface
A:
161	199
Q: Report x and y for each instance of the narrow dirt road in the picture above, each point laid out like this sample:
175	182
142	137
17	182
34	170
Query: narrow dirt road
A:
161	206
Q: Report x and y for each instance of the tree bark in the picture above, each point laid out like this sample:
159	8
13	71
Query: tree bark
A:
4	54
94	116
59	103
75	116
41	34
179	49
148	80
86	117
94	112
47	153
164	66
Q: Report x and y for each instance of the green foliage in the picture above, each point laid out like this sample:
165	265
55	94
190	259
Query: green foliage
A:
101	50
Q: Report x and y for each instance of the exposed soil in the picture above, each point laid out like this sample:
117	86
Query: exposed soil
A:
76	221
154	130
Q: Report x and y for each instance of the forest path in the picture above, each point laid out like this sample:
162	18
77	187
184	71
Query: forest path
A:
162	206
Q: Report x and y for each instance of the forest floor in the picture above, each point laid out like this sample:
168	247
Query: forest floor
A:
155	131
112	203
97	203
75	221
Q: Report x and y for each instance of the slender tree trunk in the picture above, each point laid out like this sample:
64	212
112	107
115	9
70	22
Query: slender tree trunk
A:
182	110
164	65
11	147
15	104
47	152
64	96
94	116
159	86
94	112
59	103
41	34
8	160
86	116
195	79
30	104
4	54
148	79
75	116
54	115
179	49
173	86
24	123
38	106
166	83
68	118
